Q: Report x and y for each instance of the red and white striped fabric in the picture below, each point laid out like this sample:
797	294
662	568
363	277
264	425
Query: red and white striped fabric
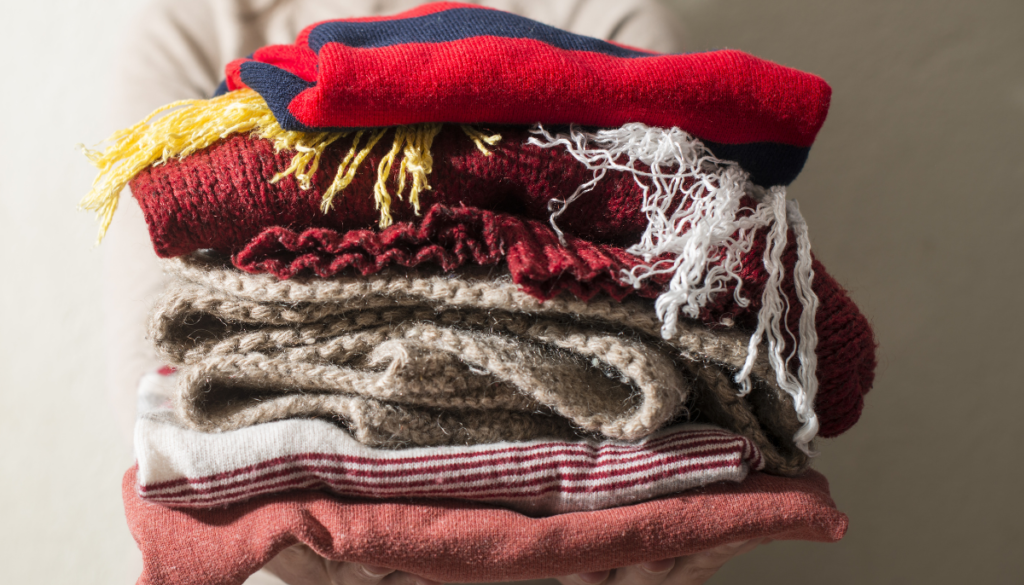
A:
179	467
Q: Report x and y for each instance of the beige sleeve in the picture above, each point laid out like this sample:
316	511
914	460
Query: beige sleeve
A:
647	24
168	54
177	49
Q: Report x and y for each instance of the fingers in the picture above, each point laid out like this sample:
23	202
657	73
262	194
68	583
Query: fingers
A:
299	565
696	569
690	570
400	578
356	573
650	573
584	578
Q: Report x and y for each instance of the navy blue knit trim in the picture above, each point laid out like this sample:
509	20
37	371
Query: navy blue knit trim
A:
457	24
278	88
769	163
222	87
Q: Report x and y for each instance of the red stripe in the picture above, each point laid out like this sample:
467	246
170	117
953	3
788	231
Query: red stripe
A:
654	477
296	462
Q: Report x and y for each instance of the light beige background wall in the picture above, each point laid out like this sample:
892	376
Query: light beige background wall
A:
914	197
914	193
61	456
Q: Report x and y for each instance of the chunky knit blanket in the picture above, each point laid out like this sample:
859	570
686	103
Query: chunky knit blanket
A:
181	467
415	359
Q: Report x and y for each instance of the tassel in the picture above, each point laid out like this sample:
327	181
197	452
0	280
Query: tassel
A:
380	189
692	203
803	274
418	162
307	160
481	140
172	131
348	167
771	319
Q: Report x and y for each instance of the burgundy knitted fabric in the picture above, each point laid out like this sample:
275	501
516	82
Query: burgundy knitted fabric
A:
450	238
222	197
452	541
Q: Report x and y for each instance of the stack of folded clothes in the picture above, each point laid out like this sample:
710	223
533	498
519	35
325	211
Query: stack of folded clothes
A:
464	295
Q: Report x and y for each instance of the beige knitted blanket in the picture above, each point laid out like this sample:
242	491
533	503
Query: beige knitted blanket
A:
414	358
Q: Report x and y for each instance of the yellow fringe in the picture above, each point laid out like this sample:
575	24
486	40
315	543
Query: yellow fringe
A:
380	190
349	165
418	161
185	127
182	128
481	139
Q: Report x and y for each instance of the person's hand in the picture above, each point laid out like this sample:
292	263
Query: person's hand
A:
690	570
299	565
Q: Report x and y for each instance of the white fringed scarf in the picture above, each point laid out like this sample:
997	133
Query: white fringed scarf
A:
706	235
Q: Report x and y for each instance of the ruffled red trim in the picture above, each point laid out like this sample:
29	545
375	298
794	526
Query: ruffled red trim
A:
450	238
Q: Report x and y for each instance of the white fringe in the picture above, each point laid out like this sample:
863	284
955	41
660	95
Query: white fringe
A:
808	342
772	318
701	228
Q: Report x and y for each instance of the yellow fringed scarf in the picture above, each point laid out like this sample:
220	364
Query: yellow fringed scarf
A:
191	125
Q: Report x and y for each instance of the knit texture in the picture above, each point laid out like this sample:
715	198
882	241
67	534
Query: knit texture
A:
452	541
457	63
451	238
465	376
655	160
223	198
406	358
180	467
